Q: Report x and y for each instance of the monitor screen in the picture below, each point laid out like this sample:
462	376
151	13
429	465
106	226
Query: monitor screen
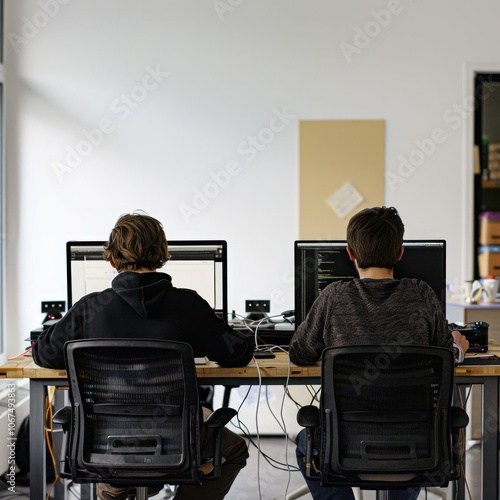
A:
196	264
318	263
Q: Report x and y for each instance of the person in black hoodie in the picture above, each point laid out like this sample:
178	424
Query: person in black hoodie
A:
143	300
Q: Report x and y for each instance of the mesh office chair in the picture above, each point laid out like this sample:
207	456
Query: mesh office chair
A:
385	419
135	415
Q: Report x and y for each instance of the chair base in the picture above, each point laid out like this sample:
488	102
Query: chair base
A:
141	493
382	495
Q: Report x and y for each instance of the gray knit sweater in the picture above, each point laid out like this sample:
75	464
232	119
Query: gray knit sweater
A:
370	312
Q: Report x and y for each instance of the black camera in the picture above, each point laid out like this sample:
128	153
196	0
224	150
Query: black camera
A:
476	333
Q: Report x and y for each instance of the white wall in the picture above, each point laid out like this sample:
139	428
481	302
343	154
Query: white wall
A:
230	71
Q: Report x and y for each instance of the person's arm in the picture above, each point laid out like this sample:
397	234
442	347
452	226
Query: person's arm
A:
220	343
232	349
212	337
460	345
307	343
299	349
48	350
456	341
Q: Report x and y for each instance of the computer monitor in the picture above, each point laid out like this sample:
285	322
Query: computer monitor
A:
318	263
200	265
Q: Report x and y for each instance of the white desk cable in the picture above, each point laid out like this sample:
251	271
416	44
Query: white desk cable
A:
266	320
253	326
244	321
256	426
246	432
281	423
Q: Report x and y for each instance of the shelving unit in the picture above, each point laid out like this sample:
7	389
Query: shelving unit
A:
487	148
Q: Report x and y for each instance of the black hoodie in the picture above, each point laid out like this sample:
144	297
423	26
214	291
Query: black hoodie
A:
145	305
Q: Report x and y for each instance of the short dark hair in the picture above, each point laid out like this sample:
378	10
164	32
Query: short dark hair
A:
375	236
137	241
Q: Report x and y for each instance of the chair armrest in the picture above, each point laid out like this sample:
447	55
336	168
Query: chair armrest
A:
308	416
216	422
458	418
220	417
63	417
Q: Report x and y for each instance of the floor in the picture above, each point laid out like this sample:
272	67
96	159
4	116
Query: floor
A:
267	478
276	484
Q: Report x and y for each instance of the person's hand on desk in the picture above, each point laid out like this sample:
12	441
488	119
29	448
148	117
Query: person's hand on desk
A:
461	342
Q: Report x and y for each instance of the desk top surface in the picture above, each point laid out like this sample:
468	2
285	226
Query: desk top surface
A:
279	367
478	305
25	367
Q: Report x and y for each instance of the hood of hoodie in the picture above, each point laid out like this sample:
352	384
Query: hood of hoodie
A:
142	291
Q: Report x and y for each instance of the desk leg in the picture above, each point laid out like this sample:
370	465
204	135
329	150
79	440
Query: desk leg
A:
458	487
37	440
490	442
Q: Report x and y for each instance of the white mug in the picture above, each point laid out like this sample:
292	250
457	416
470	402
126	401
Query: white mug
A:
490	287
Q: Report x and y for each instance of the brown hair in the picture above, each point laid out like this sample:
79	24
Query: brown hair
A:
137	242
375	236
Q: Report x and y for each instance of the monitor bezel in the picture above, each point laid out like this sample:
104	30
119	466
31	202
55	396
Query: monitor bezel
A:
333	243
171	243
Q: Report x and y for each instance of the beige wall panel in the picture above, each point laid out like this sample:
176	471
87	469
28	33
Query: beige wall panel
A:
341	172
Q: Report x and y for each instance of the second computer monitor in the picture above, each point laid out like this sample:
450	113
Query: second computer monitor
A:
318	263
200	265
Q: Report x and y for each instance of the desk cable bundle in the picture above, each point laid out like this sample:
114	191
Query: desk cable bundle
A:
286	465
281	422
266	326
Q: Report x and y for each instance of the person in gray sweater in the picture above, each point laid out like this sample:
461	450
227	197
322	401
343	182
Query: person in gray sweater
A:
374	309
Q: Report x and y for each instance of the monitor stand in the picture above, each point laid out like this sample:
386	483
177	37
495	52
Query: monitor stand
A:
256	316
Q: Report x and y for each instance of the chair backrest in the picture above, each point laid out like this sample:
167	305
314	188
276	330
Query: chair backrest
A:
135	410
385	414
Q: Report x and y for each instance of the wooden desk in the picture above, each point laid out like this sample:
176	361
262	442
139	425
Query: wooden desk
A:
277	368
270	372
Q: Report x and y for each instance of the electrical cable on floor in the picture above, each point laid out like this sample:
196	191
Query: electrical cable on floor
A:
51	445
314	394
280	423
276	464
285	467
